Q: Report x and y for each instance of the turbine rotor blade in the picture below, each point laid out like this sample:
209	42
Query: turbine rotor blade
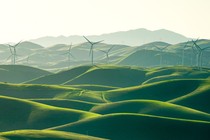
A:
10	49
110	49
194	50
71	55
8	57
157	47
17	43
205	48
165	47
97	42
64	53
103	51
196	45
88	40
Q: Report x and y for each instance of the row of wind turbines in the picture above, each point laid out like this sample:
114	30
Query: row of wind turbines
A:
91	52
197	50
13	51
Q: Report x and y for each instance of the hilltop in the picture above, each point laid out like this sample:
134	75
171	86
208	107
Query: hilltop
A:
19	73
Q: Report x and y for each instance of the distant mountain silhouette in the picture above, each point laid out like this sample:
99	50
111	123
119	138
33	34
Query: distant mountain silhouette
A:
132	37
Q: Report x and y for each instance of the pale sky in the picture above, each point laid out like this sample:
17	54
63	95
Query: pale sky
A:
29	19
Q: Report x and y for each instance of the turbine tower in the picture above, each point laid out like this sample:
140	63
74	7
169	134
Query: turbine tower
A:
13	52
195	51
183	52
91	47
161	53
69	54
107	53
200	54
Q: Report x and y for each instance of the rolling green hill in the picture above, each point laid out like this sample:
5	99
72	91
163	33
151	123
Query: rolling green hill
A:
151	107
113	76
60	77
24	114
67	103
110	76
151	46
163	91
150	58
198	99
28	91
105	77
19	73
179	72
44	135
131	126
108	101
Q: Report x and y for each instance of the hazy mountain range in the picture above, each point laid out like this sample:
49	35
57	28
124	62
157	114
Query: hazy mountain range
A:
132	38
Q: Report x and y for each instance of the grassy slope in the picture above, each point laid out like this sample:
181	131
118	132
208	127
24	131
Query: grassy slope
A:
141	58
60	77
87	96
132	126
44	135
94	87
192	93
178	72
199	99
22	114
19	73
67	103
151	107
163	91
26	91
149	58
110	76
35	91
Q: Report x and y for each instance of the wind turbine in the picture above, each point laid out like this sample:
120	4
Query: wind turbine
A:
161	53
13	52
91	47
183	52
107	53
195	51
69	53
200	54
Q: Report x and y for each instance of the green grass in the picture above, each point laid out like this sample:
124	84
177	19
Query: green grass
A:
163	91
151	107
87	96
198	99
178	72
19	73
94	87
22	114
60	77
67	103
44	135
149	58
113	102
133	126
114	76
29	91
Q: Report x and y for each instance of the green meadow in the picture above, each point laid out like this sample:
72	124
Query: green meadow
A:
105	102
